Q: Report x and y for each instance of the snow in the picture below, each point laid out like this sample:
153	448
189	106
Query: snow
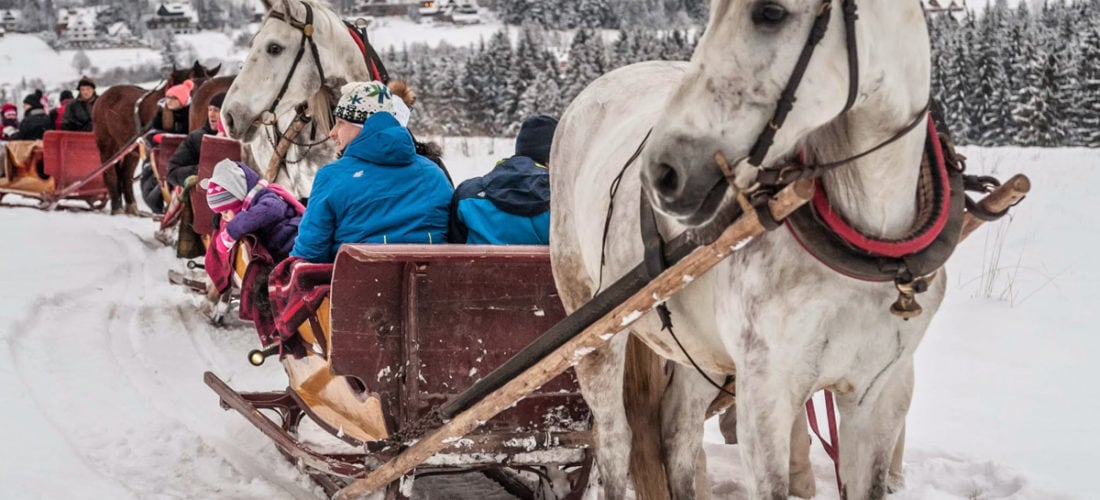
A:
55	68
101	360
28	51
393	32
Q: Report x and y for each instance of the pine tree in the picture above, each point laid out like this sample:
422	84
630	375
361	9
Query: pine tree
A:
1088	115
587	61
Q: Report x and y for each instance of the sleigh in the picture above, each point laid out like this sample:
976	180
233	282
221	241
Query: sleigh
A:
430	358
399	331
69	161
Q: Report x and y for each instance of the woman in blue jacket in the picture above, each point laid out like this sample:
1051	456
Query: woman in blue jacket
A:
380	190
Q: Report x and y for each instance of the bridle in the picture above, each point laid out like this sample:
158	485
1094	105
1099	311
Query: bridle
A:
306	28
374	65
784	175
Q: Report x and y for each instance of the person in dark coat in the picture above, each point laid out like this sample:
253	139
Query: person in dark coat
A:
250	205
380	190
35	120
10	124
185	161
511	204
78	112
58	113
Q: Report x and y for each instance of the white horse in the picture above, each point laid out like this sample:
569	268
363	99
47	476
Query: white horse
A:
790	325
271	66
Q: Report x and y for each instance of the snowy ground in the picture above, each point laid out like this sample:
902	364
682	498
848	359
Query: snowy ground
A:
101	360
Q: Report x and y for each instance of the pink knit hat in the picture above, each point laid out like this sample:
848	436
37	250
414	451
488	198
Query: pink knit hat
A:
182	92
221	200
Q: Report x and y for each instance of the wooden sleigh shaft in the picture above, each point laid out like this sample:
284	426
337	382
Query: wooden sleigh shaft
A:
600	333
595	336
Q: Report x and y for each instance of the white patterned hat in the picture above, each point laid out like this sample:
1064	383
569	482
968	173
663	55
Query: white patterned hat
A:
360	100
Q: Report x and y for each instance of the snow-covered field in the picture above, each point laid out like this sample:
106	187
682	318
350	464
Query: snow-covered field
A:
101	360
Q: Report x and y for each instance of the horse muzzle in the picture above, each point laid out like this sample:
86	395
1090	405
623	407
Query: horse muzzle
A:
239	125
687	187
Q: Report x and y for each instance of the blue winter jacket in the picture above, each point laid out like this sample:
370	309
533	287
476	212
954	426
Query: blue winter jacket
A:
380	191
508	206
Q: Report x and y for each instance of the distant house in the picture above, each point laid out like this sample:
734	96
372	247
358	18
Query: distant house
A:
77	25
384	7
120	33
179	18
938	6
456	11
9	19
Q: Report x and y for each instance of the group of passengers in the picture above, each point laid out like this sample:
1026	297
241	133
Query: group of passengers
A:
70	114
381	191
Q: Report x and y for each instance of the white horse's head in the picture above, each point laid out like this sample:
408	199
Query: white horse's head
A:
298	41
740	69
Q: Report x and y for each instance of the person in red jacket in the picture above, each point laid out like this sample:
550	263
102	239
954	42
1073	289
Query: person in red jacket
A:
58	113
10	123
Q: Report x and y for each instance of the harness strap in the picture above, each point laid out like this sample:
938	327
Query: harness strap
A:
799	171
850	17
832	446
374	61
787	98
307	37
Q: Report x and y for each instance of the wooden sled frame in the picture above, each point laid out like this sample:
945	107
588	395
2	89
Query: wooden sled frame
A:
71	163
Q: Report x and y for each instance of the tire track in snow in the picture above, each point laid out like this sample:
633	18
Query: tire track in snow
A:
119	336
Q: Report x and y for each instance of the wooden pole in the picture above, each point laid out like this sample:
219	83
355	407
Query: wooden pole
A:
999	200
734	238
285	141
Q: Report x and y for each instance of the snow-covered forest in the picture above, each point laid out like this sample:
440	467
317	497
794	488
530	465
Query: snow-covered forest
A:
1017	76
487	90
1009	75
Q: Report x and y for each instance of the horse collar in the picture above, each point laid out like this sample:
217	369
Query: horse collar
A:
912	261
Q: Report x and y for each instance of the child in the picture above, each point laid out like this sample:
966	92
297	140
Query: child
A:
250	205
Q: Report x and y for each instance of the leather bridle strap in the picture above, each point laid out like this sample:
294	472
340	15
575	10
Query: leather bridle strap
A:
791	173
786	100
307	39
850	17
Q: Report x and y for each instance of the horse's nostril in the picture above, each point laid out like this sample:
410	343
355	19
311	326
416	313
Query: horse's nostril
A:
668	181
229	122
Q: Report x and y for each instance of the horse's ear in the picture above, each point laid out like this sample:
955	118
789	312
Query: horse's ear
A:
267	5
212	72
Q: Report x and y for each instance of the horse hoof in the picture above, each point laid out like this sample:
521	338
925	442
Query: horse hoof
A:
131	209
117	211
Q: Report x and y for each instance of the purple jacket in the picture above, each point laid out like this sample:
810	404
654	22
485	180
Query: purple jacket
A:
270	218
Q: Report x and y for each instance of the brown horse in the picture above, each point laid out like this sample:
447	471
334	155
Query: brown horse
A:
200	98
119	116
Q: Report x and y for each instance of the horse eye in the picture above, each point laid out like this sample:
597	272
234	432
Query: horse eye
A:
768	14
274	49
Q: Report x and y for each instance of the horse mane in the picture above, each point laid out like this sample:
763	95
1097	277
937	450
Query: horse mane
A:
322	103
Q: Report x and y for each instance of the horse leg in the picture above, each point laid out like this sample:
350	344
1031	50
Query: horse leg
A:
871	424
126	182
765	417
683	411
896	479
601	379
802	473
110	178
727	424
